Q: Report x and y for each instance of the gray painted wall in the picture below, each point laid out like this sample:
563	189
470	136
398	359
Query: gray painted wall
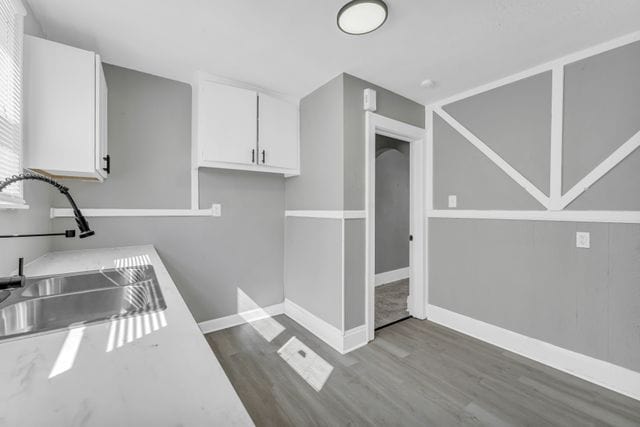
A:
528	276
389	104
332	166
517	126
210	259
36	218
602	111
392	204
319	185
313	266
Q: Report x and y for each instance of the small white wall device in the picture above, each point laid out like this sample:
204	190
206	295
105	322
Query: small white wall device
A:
369	100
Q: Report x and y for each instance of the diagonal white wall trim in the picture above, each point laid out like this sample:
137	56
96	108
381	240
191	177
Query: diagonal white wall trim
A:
624	217
557	116
614	377
562	61
326	214
600	170
495	158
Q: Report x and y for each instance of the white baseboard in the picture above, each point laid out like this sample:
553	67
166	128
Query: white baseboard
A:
343	343
220	323
392	276
605	374
354	338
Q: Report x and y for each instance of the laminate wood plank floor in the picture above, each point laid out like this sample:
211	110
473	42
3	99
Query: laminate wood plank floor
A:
415	373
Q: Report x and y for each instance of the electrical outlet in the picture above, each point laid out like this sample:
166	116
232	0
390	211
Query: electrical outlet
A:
583	239
453	201
216	209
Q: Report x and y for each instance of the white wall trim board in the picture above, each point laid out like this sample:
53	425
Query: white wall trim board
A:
557	116
625	217
232	320
343	315
562	61
495	158
599	171
325	214
605	374
392	276
90	212
334	337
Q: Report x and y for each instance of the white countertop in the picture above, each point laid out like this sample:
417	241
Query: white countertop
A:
122	374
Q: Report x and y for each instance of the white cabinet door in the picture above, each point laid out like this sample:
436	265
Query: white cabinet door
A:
278	133
227	129
60	108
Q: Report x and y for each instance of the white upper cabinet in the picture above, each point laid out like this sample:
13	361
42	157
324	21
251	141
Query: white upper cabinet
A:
277	132
225	118
241	128
65	111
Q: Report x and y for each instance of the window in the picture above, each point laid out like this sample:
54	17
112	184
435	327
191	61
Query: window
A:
11	20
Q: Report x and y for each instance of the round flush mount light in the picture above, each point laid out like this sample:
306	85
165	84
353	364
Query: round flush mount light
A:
362	16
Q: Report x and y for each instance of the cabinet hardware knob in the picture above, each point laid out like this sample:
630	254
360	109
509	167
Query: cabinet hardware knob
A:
253	155
107	159
263	157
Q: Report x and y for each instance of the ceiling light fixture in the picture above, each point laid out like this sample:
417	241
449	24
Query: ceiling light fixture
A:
362	16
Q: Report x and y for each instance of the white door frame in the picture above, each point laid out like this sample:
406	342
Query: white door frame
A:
376	124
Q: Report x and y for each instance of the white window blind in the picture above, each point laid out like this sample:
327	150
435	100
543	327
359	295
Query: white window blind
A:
11	21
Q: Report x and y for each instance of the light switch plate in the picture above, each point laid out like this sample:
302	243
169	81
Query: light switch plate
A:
453	201
216	208
583	239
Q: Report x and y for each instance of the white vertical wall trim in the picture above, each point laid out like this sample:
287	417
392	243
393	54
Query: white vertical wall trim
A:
428	201
600	170
376	124
495	158
342	277
557	113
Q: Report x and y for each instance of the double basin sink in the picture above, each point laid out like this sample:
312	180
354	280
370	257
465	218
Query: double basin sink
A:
50	303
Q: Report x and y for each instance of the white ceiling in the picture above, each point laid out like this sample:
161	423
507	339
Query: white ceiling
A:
294	46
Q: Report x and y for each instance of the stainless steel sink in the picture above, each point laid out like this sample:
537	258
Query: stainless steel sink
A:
56	302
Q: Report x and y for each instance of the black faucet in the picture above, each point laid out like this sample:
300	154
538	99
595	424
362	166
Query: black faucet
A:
83	225
14	281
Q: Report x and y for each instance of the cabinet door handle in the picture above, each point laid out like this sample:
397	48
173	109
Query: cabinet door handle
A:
263	157
107	159
253	155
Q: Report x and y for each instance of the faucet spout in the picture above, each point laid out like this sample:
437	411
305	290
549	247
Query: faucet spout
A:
81	221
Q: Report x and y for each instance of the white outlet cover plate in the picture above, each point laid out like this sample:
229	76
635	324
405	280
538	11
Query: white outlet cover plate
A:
216	209
583	239
453	201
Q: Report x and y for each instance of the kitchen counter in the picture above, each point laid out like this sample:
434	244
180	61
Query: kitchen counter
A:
156	371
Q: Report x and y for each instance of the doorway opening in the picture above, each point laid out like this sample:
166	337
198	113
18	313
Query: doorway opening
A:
392	231
397	132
